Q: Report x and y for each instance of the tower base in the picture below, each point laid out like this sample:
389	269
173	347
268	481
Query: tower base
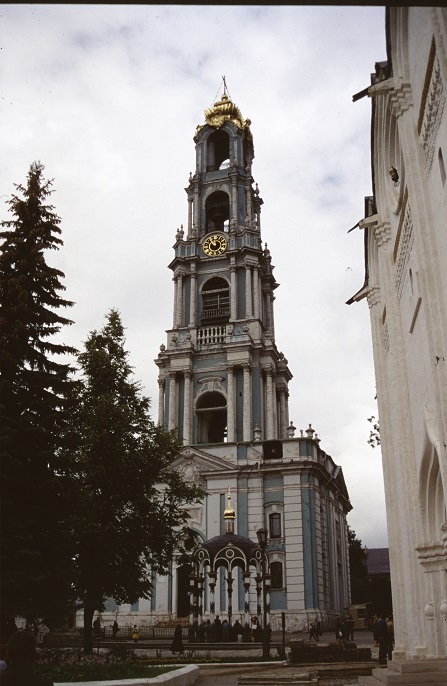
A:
409	673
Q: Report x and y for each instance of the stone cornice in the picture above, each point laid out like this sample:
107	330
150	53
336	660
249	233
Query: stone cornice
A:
432	556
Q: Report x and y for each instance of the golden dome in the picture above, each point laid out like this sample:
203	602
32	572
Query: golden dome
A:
229	512
225	110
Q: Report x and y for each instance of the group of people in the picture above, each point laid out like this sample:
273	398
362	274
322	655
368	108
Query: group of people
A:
344	628
217	631
315	630
383	633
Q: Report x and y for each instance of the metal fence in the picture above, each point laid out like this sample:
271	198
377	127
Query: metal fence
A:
145	632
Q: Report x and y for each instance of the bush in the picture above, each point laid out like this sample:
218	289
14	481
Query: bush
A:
74	665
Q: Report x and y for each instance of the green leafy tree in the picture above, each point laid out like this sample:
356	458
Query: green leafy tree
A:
126	526
374	434
358	569
35	556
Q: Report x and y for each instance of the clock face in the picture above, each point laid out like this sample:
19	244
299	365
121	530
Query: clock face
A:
215	245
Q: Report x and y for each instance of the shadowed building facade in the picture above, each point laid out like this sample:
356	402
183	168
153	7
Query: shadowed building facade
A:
406	291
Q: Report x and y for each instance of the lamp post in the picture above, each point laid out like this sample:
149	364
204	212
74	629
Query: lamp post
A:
262	540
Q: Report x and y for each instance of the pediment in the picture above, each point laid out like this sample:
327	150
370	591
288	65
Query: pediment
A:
194	463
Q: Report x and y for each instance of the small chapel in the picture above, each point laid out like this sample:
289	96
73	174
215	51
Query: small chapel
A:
223	386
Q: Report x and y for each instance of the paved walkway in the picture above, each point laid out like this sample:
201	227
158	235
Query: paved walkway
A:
362	639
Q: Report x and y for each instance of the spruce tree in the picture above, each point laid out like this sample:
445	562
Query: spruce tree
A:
126	527
35	557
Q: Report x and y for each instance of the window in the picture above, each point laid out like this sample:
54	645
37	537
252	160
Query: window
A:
275	525
276	572
215	301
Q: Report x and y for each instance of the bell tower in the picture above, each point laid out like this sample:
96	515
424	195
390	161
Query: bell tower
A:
221	377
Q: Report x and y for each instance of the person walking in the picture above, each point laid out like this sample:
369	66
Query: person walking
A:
135	633
115	629
313	632
97	627
350	628
390	627
225	630
218	629
177	642
338	630
382	638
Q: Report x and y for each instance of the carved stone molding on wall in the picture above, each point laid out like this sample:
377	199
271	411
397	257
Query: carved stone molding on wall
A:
400	98
432	107
373	296
382	232
403	244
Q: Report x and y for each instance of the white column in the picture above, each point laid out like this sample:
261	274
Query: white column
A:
190	201
233	293
247	597
233	198
178	320
248	293
272	316
256	291
247	403
249	210
187	408
230	404
196	210
174	313
172	401
275	408
161	402
212	586
193	300
269	403
269	312
267	597
283	413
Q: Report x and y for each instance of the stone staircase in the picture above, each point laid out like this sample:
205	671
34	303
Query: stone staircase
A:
304	652
408	673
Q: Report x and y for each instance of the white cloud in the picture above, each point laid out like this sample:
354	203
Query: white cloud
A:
108	98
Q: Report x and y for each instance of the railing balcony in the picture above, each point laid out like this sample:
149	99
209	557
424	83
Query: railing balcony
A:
215	313
211	335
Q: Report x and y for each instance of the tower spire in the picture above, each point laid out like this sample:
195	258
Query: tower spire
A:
225	87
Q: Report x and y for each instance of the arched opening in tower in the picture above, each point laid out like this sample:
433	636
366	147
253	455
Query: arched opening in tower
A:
217	209
211	411
217	151
215	302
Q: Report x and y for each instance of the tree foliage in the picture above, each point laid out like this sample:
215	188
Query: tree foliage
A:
35	557
358	569
126	527
374	434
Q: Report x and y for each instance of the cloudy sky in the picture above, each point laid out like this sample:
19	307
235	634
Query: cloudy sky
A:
108	98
